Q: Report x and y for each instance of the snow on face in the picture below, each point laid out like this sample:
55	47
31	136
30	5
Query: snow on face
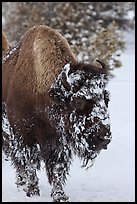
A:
90	88
85	126
72	78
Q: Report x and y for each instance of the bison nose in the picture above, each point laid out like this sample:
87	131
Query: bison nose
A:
104	140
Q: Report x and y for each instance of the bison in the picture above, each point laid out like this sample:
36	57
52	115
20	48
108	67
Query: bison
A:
53	107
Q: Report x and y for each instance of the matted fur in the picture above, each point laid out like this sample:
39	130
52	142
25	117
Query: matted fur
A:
53	107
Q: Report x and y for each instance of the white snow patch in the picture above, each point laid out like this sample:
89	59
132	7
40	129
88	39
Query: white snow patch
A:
72	77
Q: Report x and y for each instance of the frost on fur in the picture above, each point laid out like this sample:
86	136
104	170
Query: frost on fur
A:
88	115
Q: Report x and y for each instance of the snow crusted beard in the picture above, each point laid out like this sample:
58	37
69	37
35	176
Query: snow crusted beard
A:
84	102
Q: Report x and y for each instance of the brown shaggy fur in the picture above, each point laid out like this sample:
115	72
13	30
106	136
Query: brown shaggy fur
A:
43	52
43	107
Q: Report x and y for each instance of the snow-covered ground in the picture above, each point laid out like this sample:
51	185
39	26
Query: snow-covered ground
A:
112	178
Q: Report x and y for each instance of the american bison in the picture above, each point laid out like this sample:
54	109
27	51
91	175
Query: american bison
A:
53	107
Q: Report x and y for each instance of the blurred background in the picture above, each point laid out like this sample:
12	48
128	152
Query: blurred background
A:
93	29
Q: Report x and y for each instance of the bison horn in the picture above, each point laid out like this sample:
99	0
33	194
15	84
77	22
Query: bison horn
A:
102	64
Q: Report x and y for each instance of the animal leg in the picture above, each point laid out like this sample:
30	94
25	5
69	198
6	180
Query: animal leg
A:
57	169
32	180
21	176
57	193
32	164
26	160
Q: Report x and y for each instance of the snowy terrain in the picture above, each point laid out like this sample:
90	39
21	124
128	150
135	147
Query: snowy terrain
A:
112	178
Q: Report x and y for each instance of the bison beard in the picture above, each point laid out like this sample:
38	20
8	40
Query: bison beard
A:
73	120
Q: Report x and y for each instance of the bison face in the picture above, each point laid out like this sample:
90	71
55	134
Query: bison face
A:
82	91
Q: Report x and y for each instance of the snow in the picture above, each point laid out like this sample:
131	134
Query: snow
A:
112	177
72	78
6	124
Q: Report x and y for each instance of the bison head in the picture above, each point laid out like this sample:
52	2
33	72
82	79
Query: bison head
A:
80	89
